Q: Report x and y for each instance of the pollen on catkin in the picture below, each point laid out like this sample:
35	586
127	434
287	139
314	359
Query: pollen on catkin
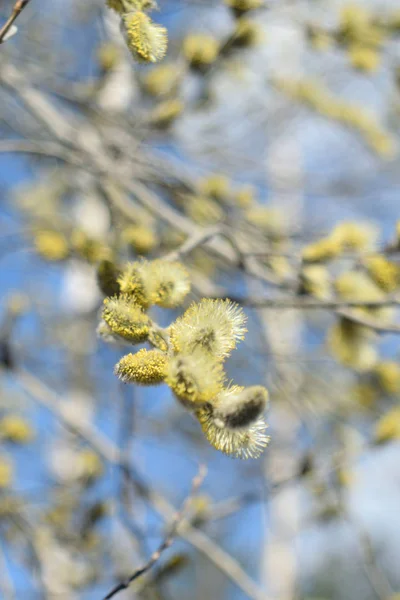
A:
322	250
357	286
351	345
195	378
51	245
131	283
124	6
165	113
247	33
126	319
236	407
116	5
243	443
200	49
203	210
6	472
388	426
354	236
14	428
146	40
211	326
217	186
167	282
316	281
140	238
146	367
162	79
388	375
385	273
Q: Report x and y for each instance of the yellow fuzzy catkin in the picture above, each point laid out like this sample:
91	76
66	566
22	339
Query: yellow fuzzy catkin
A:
14	428
365	394
211	326
146	367
388	427
245	197
116	5
140	238
364	58
217	186
165	113
236	407
321	251
388	375
269	219
126	319
397	238
146	40
351	345
200	49
108	56
131	283
89	465
204	210
167	282
194	378
316	281
243	443
320	40
162	80
385	273
51	245
354	237
107	278
247	33
124	6
317	97
6	472
91	249
357	286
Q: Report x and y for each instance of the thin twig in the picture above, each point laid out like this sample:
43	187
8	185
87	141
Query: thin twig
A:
168	540
375	575
112	454
341	307
380	327
305	303
16	11
7	588
199	238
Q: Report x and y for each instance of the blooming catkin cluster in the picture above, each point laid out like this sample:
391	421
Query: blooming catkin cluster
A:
188	355
146	40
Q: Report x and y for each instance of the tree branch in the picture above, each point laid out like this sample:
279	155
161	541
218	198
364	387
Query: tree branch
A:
16	11
112	454
167	542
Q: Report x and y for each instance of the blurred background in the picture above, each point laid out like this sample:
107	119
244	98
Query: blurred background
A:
276	125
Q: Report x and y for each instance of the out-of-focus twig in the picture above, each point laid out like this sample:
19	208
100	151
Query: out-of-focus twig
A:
168	540
375	575
342	308
305	303
7	588
226	563
16	11
199	238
